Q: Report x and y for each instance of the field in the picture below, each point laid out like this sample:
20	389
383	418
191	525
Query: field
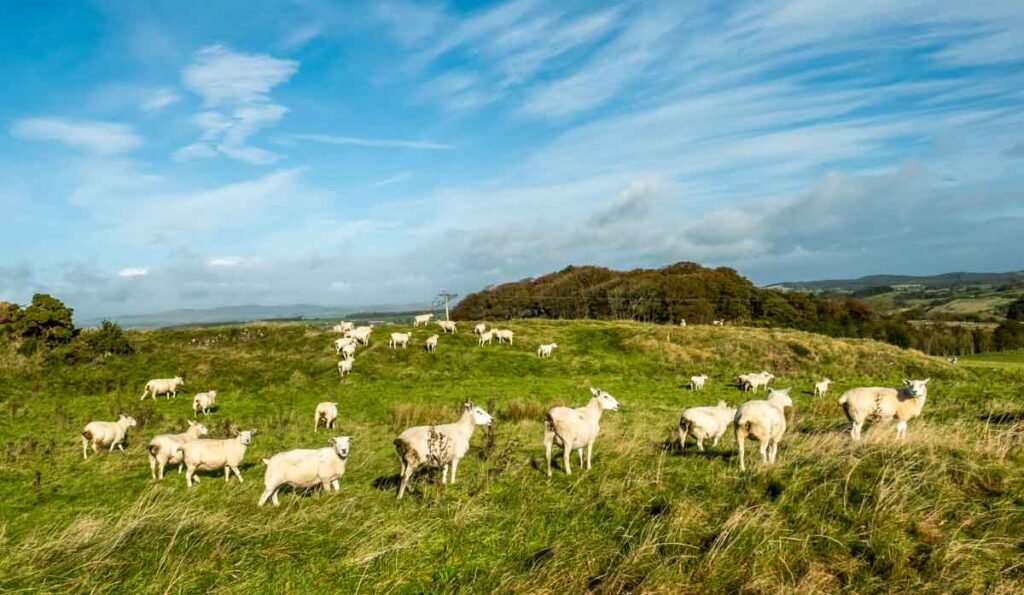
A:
941	512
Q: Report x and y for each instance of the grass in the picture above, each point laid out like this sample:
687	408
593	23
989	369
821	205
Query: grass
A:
1010	360
940	513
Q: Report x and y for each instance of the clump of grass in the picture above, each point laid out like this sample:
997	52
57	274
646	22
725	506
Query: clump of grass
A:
522	410
404	415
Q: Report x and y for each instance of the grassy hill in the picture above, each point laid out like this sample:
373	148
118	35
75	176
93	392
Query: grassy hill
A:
941	512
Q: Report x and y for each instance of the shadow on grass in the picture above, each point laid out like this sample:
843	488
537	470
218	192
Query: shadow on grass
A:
1008	417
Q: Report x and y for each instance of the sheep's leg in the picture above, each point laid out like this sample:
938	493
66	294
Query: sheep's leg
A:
152	467
549	438
700	442
764	452
406	476
238	474
112	446
274	498
901	429
227	474
579	451
316	424
855	430
740	440
455	466
188	476
773	451
444	474
336	484
267	493
714	444
566	452
180	467
590	451
85	450
682	438
120	446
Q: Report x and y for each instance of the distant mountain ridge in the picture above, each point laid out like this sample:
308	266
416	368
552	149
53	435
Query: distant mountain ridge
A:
245	313
942	281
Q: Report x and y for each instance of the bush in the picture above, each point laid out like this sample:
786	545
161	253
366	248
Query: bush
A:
1009	336
109	339
45	324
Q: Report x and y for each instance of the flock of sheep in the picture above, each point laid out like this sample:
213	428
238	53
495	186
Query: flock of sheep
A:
444	445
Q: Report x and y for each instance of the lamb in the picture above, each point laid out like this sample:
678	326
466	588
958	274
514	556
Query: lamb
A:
399	339
345	366
164	449
209	455
421	320
162	386
705	422
438	446
361	334
203	402
953	360
431	344
877	404
306	468
573	429
718	323
545	350
697	382
448	326
480	329
485	338
504	335
820	388
326	412
106	433
765	421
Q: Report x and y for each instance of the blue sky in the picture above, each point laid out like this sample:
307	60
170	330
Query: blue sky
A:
197	154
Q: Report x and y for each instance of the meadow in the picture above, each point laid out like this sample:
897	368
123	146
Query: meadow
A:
941	512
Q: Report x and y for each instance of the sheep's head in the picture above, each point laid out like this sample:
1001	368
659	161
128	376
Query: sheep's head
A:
212	393
918	388
780	397
201	429
179	380
341	445
723	404
245	436
127	420
480	417
604	399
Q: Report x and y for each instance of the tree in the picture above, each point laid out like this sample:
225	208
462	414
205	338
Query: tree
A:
44	324
1009	336
1015	311
109	339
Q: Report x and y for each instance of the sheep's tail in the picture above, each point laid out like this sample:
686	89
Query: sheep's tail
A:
401	447
843	399
153	449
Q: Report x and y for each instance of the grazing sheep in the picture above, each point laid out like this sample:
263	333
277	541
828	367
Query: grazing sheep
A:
162	386
399	339
345	366
697	382
755	380
306	468
164	449
448	326
431	344
545	350
504	335
326	412
682	322
343	327
203	402
953	360
764	421
883	404
106	433
480	329
210	455
421	320
361	334
718	322
574	429
705	422
438	446
820	388
348	351
485	338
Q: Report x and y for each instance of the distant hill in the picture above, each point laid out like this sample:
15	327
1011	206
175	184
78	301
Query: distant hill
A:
248	313
943	281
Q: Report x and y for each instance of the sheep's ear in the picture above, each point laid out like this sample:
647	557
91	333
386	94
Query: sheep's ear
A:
905	381
234	432
595	391
252	431
925	381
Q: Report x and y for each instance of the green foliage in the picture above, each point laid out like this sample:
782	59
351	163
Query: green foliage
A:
108	339
1009	335
1015	311
45	324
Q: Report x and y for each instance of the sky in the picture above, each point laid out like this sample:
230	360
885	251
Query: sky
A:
182	154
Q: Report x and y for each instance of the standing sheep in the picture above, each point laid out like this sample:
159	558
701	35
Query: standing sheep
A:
162	386
820	388
399	340
705	422
883	404
545	350
361	334
697	382
421	320
348	351
165	449
345	366
106	433
485	338
203	402
504	335
764	421
306	468
326	412
210	455
431	343
480	328
448	326
574	429
340	344
438	446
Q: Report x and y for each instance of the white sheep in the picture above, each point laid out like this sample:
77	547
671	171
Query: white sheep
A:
210	455
306	468
438	446
343	327
485	338
348	351
576	428
504	335
162	386
431	343
340	344
705	422
953	360
480	328
345	366
326	412
697	382
448	326
361	334
165	449
682	322
421	320
820	388
399	340
764	421
545	350
718	322
755	380
884	404
203	402
106	433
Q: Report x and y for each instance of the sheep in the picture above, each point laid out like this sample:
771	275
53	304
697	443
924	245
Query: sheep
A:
438	446
342	343
399	339
162	386
718	323
348	351
210	455
877	404
765	421
361	334
820	388
421	320
755	380
682	322
504	335
953	360
431	343
203	402
342	327
485	338
106	433
705	422
480	329
164	448
326	412
306	468
545	350
345	366
697	382
575	428
448	326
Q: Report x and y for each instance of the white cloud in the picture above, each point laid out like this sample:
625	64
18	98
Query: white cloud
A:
376	143
228	261
399	177
133	272
158	99
86	135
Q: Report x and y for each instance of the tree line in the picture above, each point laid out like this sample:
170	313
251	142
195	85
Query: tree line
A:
45	328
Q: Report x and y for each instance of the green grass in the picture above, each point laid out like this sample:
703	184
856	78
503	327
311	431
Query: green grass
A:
1011	360
940	513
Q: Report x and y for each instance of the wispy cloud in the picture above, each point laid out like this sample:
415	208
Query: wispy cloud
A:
86	135
133	272
401	177
375	143
159	99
